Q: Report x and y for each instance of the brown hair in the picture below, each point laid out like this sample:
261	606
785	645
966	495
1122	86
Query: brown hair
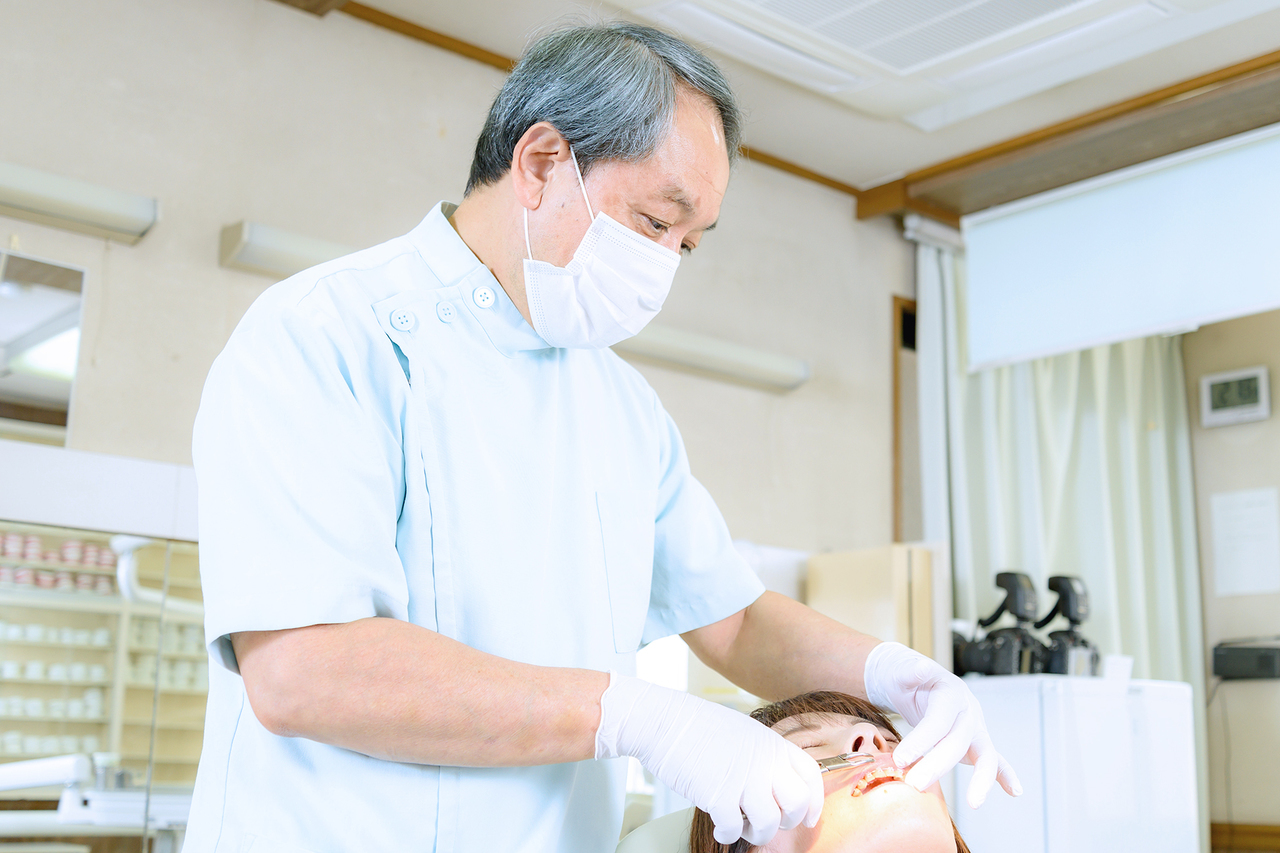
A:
826	703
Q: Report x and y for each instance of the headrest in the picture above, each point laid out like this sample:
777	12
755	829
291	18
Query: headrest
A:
667	834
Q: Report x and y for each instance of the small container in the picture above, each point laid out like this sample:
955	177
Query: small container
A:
34	633
15	706
49	744
102	637
83	636
34	670
69	743
103	585
67	636
89	556
52	557
182	674
10	669
64	581
31	744
200	676
58	708
6	577
144	669
89	743
57	672
97	673
72	550
12	545
84	582
24	576
106	559
13	742
34	707
75	709
46	579
78	671
14	633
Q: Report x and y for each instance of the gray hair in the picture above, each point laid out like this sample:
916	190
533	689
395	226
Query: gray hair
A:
609	89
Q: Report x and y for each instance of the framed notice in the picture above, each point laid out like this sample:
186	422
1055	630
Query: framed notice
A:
1235	397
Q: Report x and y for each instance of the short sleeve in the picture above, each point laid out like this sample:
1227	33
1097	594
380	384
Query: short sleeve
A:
300	480
698	576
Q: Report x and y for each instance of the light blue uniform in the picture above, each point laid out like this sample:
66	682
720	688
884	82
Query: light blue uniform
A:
385	435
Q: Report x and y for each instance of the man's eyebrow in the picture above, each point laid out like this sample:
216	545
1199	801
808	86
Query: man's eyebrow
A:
676	196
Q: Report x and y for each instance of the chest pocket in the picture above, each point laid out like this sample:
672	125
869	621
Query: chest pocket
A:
627	528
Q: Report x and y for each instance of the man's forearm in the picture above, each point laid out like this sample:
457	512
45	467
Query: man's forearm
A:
397	691
778	648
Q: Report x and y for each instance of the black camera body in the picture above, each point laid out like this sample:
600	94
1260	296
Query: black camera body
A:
1069	652
1006	651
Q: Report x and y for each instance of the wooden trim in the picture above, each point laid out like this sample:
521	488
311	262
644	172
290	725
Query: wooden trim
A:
1177	91
405	28
34	414
901	305
758	156
1243	836
470	51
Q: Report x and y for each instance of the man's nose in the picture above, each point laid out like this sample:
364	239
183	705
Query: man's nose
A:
869	739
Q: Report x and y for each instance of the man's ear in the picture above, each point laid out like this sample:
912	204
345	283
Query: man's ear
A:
534	160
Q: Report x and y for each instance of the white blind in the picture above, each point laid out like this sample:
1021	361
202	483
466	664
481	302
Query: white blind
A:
1159	248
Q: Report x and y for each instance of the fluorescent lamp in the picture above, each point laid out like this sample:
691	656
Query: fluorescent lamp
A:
75	205
256	248
721	359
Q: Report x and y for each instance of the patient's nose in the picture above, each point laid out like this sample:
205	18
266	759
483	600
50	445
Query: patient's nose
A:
869	739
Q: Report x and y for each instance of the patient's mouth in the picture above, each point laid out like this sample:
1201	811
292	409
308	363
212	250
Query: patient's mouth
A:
876	778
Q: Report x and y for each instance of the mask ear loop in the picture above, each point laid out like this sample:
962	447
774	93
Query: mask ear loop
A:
528	249
580	182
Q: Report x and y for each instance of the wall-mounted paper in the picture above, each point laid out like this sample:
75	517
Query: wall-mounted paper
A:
1246	542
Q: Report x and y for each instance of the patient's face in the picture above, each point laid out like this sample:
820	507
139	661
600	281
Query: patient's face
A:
868	809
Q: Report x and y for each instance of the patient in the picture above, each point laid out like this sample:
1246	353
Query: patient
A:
868	809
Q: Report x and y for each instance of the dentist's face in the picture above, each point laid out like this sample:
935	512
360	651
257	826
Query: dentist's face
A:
868	809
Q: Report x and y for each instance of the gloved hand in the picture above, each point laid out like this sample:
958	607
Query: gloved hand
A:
751	780
947	718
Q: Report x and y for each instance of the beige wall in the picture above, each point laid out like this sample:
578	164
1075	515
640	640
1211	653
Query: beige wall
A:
1244	456
247	109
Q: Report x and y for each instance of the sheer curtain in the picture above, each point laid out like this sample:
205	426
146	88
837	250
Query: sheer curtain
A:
1078	464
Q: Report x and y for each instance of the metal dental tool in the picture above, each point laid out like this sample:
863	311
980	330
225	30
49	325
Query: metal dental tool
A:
846	761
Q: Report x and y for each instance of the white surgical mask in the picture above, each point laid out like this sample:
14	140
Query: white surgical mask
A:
615	284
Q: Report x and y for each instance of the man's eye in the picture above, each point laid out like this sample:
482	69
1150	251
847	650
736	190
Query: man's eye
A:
656	225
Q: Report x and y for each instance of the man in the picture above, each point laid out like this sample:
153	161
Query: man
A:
438	516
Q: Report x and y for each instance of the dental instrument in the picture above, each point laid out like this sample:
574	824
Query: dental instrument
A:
845	761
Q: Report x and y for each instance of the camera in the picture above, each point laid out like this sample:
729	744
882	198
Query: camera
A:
1016	650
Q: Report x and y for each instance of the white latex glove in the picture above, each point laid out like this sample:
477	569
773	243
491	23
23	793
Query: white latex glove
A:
750	779
947	718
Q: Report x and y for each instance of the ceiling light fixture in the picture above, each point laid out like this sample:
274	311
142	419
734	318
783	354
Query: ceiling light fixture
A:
262	249
75	205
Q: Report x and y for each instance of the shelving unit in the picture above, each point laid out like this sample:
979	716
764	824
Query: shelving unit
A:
140	645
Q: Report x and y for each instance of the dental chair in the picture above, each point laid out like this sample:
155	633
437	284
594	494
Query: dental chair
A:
666	834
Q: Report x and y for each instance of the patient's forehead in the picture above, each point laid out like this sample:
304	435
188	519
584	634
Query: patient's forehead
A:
815	721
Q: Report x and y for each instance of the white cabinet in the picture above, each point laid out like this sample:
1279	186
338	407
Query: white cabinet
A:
1106	765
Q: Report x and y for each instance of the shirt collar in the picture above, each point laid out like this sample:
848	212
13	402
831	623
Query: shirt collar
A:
455	265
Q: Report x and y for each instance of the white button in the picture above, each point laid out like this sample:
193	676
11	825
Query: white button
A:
483	297
403	320
444	310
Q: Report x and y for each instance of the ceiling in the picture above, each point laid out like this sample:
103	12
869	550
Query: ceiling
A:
865	91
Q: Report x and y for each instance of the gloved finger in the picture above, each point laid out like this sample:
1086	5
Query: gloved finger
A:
984	776
945	755
727	817
762	814
815	791
939	721
1008	779
791	794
